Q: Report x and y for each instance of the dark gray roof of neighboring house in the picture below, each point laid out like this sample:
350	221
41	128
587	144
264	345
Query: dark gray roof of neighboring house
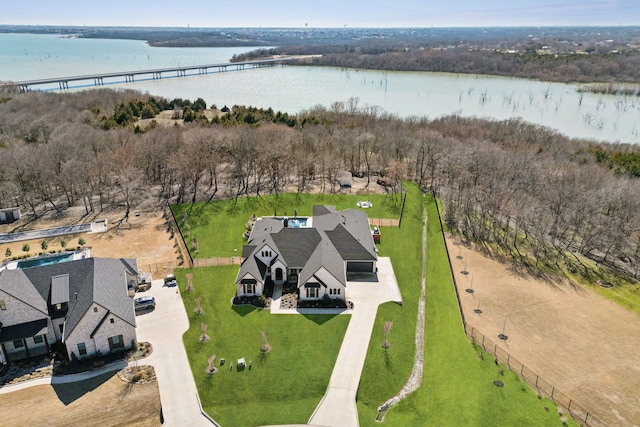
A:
22	330
99	280
17	284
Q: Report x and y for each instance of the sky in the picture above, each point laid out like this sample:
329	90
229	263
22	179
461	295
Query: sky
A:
322	13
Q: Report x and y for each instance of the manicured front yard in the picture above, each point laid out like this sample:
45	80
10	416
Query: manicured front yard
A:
286	384
282	386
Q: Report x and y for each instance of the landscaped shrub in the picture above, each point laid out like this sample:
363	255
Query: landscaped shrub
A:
81	242
44	245
25	247
7	253
63	243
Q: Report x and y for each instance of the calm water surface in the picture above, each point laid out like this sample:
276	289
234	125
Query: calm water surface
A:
292	89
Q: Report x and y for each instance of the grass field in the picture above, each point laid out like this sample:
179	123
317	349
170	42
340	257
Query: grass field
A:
457	387
218	226
282	386
286	384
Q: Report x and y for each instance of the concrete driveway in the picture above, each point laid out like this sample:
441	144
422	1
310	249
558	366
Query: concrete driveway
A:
338	406
163	327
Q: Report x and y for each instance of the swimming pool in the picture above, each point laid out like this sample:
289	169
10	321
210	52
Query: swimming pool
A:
45	260
297	222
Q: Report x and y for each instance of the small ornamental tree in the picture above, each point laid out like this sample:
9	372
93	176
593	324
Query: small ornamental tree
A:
7	253
63	243
198	309
265	344
211	367
44	245
387	328
189	277
81	242
203	337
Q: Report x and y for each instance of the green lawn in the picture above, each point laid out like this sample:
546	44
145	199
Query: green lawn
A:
457	387
219	225
284	385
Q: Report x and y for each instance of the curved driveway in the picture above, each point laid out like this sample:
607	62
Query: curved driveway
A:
163	327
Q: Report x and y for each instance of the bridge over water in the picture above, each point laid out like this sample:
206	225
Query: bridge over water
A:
156	73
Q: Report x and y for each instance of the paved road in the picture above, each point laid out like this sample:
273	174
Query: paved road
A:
163	328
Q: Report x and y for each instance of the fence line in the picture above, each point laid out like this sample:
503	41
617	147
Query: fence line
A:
181	242
214	262
544	388
384	222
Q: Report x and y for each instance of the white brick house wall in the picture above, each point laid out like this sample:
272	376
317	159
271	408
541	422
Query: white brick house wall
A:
100	341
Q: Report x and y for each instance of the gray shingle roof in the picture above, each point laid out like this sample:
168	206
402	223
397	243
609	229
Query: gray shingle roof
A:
335	237
99	280
18	285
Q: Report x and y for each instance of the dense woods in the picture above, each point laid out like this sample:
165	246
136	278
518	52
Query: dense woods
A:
528	193
595	67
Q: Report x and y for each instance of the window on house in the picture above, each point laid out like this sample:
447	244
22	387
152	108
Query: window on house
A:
82	349
250	288
312	292
61	327
38	339
18	344
95	309
115	342
270	254
112	321
3	306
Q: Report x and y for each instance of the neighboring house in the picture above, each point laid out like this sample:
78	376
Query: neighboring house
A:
83	304
316	254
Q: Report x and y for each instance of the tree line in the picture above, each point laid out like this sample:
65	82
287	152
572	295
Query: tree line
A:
526	192
531	64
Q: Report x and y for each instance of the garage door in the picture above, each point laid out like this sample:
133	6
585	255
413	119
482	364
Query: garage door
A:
359	267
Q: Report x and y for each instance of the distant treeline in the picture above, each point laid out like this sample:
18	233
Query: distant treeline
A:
594	67
537	198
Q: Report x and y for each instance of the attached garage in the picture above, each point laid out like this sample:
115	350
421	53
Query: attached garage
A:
360	267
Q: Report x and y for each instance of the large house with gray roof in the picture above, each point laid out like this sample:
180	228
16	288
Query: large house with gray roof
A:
315	253
83	304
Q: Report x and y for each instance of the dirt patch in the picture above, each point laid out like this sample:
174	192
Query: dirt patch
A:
101	401
144	237
580	342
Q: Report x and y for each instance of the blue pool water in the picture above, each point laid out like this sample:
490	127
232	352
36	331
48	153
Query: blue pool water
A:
297	222
46	260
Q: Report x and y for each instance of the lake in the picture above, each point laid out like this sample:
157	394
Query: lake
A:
292	89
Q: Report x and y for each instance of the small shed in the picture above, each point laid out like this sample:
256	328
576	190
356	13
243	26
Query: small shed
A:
9	214
346	179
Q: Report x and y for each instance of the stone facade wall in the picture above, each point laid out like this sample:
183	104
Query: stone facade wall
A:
100	341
